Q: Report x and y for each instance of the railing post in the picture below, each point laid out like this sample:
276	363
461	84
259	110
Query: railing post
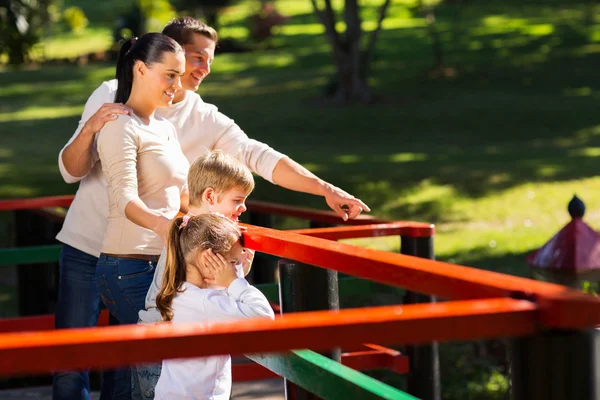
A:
263	266
423	380
307	288
556	365
36	282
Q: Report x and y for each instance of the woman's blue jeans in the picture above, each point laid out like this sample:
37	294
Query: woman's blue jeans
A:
123	284
78	306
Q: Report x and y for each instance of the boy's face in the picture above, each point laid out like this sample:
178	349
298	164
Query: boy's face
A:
231	203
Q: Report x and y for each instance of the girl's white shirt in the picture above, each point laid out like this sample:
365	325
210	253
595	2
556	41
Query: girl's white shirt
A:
208	377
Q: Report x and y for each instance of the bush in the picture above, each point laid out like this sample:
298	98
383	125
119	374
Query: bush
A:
75	19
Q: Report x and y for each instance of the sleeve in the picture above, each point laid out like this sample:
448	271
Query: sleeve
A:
156	280
244	301
230	138
117	145
103	94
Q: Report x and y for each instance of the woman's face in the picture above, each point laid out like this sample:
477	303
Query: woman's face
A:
164	78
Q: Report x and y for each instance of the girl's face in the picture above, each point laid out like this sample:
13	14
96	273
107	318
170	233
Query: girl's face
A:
164	79
233	258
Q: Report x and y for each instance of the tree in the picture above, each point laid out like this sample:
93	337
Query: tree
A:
352	61
21	25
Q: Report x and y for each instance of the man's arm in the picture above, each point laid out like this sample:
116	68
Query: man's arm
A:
274	166
76	159
291	175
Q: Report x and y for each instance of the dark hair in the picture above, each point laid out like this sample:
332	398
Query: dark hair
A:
186	239
149	49
181	30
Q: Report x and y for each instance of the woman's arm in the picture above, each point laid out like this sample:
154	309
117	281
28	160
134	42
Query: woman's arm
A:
118	148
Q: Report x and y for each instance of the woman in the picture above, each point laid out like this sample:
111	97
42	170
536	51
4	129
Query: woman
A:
146	172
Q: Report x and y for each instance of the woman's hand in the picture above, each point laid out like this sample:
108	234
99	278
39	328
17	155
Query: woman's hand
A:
162	228
223	272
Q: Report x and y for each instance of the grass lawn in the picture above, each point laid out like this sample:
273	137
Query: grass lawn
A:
492	156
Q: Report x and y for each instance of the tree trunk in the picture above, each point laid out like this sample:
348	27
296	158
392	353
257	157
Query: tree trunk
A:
436	43
352	63
350	87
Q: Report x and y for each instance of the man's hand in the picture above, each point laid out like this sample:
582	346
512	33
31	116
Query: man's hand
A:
336	198
108	112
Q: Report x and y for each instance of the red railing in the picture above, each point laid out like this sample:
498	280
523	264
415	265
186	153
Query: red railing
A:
483	304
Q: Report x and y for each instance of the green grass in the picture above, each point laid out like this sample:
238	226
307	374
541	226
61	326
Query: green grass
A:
492	156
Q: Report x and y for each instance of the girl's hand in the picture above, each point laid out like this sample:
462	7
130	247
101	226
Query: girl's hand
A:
247	258
223	273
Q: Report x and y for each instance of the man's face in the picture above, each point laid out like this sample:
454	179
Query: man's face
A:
199	55
231	203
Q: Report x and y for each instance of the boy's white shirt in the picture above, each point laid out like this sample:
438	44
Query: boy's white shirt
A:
208	377
151	314
200	128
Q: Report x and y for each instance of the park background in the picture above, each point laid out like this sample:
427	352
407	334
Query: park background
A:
482	118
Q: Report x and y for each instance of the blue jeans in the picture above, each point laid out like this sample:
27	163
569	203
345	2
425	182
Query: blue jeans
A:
123	284
78	306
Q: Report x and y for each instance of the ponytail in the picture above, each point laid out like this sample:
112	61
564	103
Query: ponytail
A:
175	272
125	71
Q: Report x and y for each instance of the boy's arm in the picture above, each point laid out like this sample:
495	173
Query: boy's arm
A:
76	159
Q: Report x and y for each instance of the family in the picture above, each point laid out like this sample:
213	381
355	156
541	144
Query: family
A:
148	147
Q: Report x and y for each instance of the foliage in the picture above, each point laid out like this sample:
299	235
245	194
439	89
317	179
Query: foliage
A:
75	19
264	21
143	16
592	288
208	10
21	26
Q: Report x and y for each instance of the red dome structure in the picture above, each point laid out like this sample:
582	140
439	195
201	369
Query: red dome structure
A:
574	250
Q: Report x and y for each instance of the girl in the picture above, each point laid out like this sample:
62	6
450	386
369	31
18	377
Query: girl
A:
146	172
200	284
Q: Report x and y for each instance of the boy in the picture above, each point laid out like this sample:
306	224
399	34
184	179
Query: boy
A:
218	183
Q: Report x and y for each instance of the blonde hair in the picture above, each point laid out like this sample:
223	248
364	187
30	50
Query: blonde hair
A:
219	171
186	240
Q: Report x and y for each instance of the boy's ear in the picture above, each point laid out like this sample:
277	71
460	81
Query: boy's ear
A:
209	196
